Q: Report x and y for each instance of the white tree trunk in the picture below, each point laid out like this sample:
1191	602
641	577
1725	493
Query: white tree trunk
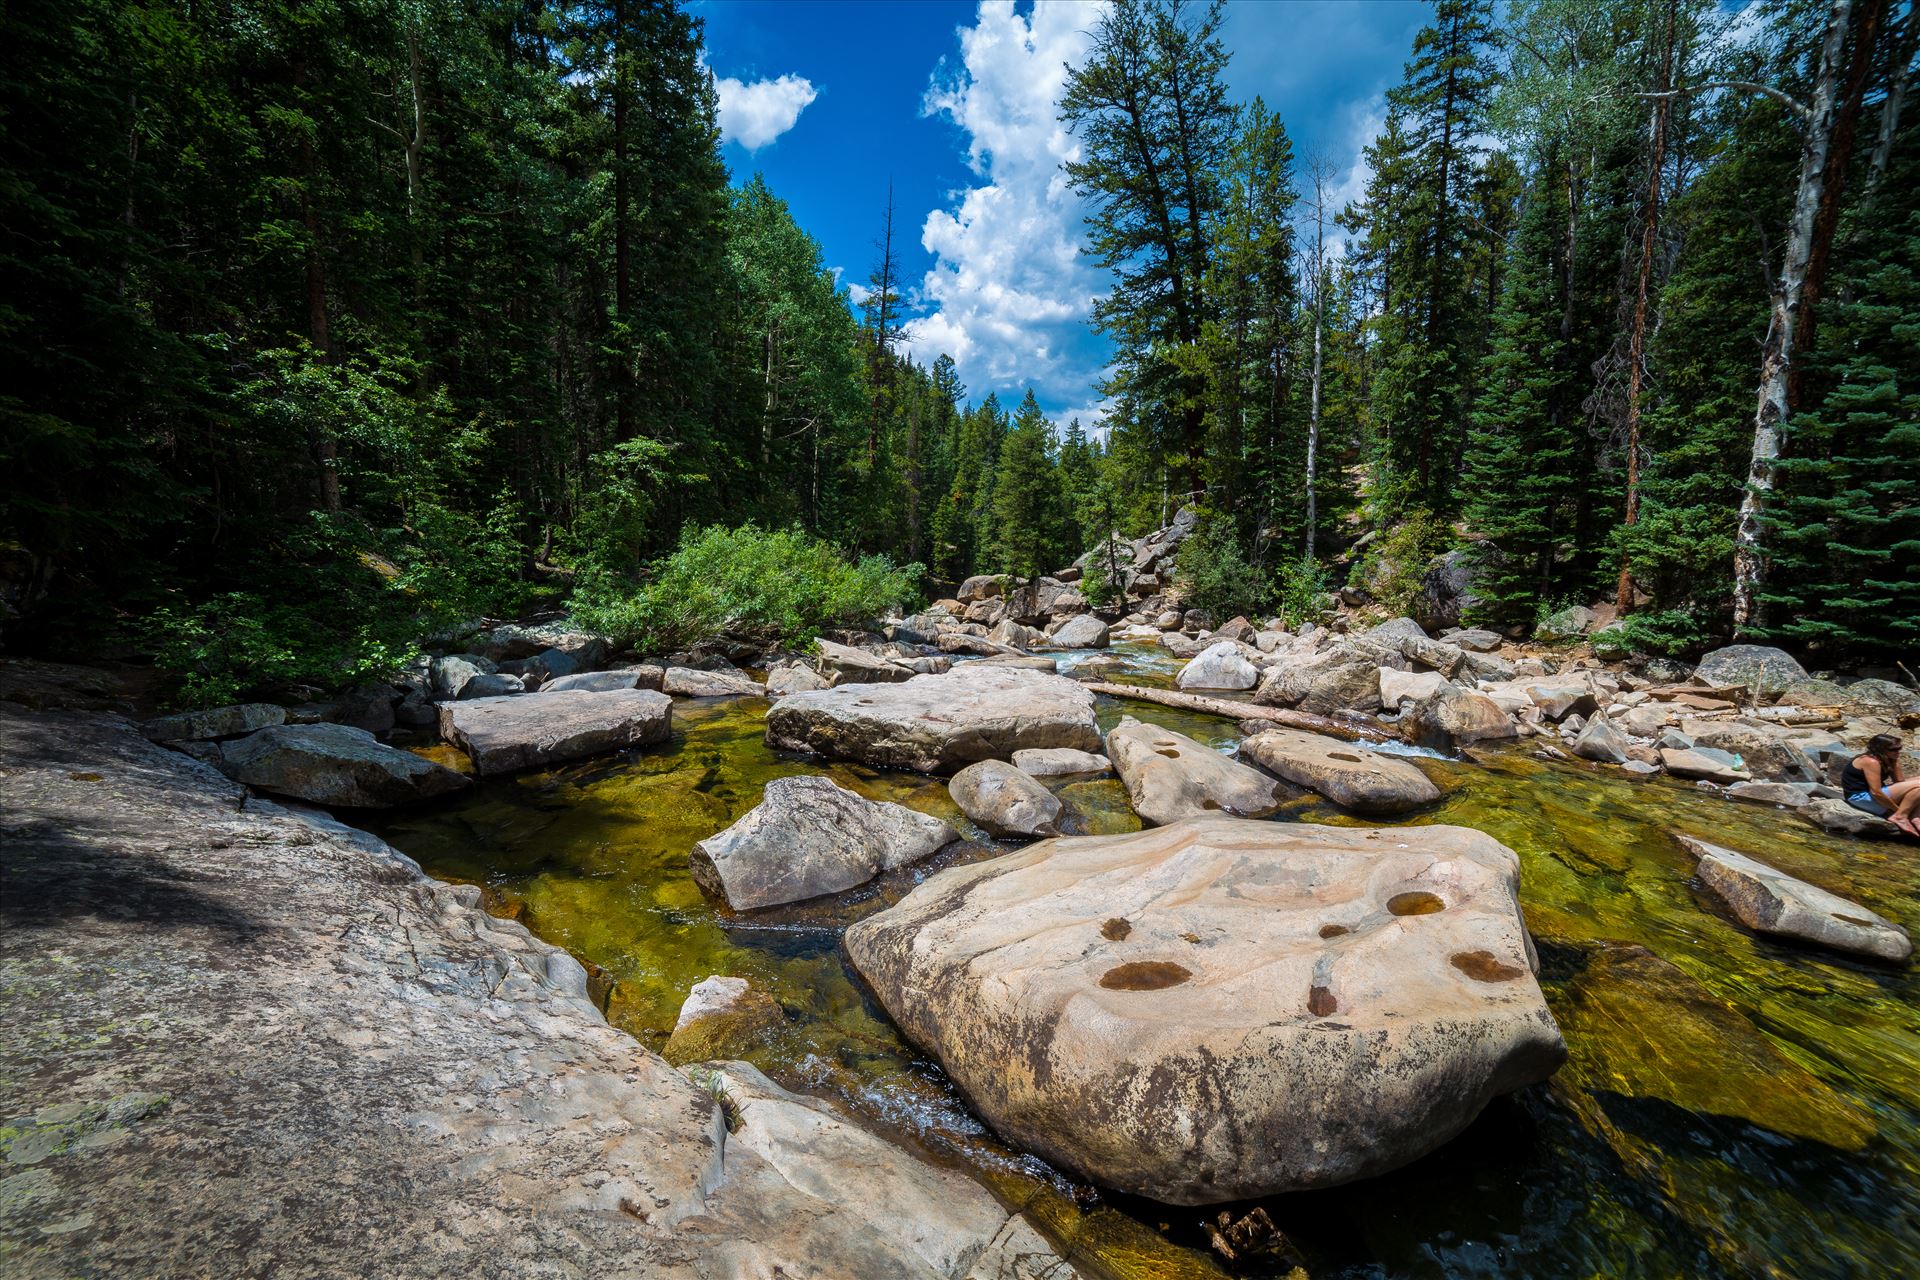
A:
1778	353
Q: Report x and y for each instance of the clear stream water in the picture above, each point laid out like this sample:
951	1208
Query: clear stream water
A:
1731	1107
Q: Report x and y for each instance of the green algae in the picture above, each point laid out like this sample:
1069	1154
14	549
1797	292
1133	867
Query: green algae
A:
1732	1105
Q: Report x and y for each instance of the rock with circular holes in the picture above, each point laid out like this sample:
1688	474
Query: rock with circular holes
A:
1344	772
1222	1009
1768	900
1169	776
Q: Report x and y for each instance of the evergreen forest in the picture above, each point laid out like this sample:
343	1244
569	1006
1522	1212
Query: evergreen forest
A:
327	322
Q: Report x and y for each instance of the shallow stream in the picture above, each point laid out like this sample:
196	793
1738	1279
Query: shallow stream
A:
1731	1107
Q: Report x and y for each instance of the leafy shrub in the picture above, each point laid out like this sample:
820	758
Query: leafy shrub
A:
1216	576
771	586
1667	631
1304	584
1395	564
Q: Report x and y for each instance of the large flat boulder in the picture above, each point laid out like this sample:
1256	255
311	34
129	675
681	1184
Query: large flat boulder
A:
691	682
938	723
334	764
214	722
1452	717
1222	1009
807	837
1057	762
536	730
1756	666
1169	776
1344	772
844	664
1768	900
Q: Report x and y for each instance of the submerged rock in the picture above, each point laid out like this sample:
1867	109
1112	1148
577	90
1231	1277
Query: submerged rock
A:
809	836
1004	801
721	1018
1768	900
1222	1009
1169	776
539	729
1347	774
939	723
334	764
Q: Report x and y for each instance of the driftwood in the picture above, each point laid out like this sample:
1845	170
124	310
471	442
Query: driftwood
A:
1234	709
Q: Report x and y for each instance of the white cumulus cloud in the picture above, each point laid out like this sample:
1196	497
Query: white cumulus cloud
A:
1009	291
754	114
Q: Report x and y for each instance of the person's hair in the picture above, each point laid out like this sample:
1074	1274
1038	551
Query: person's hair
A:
1884	747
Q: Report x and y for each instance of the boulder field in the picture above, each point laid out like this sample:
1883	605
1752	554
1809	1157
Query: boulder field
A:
243	1039
1222	1009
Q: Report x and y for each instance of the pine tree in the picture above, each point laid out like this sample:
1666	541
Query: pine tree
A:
1030	521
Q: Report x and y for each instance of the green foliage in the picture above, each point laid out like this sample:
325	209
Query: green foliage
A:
1214	573
1302	591
1666	631
772	586
1392	569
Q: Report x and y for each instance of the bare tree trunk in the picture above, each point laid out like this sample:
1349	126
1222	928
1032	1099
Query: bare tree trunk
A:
1320	177
1777	354
1899	82
1637	343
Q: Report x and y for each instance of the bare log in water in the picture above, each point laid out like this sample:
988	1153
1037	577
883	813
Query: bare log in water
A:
1234	709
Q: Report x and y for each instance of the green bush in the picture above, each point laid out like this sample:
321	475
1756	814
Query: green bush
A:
1667	631
1304	584
1395	564
769	586
1214	574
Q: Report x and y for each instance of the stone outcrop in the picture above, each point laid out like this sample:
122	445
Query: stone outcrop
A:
536	730
1344	772
1222	1009
1004	801
807	837
333	764
1169	776
1768	900
245	1040
938	723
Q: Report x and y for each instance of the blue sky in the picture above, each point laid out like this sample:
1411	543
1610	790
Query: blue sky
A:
951	102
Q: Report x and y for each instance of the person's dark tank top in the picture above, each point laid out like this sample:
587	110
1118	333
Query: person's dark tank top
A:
1852	780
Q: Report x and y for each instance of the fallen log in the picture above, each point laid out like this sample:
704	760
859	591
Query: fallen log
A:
1234	709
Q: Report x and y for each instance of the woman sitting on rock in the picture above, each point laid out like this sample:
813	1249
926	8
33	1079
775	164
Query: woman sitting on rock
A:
1874	783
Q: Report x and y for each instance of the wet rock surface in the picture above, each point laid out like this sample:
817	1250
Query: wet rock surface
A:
245	1040
1222	1008
1768	900
939	723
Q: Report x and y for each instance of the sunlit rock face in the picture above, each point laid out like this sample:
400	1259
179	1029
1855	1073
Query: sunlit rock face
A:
1222	1009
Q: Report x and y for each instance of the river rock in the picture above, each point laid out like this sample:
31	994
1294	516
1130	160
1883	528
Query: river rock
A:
1842	818
1475	640
535	730
793	677
1558	699
606	681
1337	679
1344	772
809	836
1014	635
1780	793
491	684
1400	687
1645	720
1452	717
1218	666
334	764
1394	630
982	586
1600	741
1060	761
1222	1009
721	1018
1082	631
937	724
1005	801
1768	900
214	722
1698	764
1764	749
1569	623
451	673
688	682
1757	666
1169	776
844	664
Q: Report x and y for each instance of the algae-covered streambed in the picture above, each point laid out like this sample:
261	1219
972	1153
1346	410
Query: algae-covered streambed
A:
1731	1106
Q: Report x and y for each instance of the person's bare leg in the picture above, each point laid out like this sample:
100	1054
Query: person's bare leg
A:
1906	801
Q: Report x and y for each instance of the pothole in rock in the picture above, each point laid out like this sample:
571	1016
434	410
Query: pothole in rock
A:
1484	966
1418	902
1333	930
1115	930
1145	975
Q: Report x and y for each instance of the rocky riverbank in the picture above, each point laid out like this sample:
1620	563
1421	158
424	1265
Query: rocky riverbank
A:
243	1039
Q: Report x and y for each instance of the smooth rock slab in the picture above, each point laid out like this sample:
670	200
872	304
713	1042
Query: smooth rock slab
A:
689	682
1169	776
1082	631
539	729
334	764
939	723
214	722
1344	772
1842	818
1768	900
1005	801
807	837
1689	763
1060	761
1218	666
1222	1009
605	681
